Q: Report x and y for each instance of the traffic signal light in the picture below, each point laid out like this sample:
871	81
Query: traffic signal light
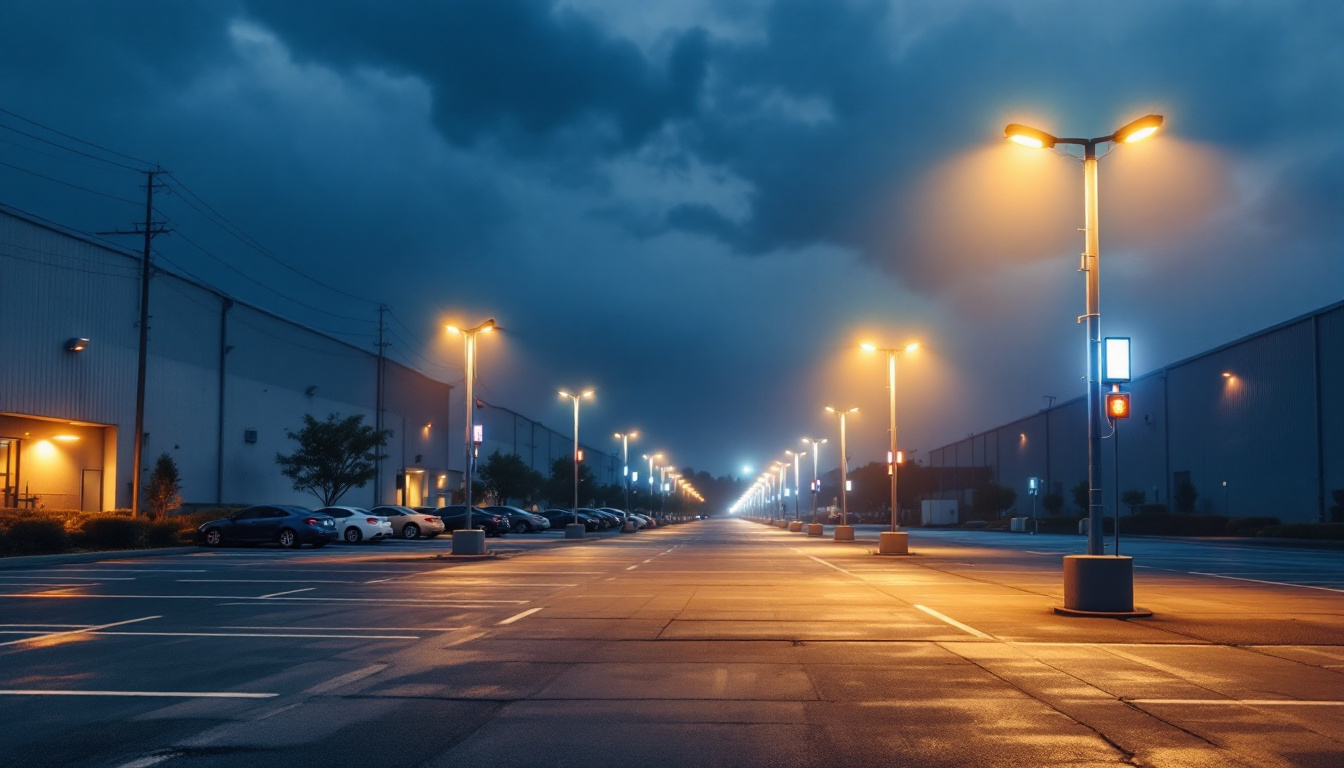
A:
1117	405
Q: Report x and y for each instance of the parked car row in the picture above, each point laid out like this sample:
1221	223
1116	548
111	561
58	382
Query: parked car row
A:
292	527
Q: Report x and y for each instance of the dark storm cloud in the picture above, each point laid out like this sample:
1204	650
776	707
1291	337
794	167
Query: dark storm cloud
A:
516	71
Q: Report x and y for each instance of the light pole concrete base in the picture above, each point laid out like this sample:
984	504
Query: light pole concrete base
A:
469	542
1099	585
893	543
629	527
844	533
795	527
815	529
575	531
782	524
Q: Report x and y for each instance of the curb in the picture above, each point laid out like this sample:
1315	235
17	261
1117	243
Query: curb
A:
30	561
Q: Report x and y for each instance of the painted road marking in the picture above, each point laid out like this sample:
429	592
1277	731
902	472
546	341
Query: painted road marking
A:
524	614
71	578
228	634
346	679
631	568
290	592
53	635
263	581
1262	581
954	622
1241	702
275	599
828	565
362	629
162	694
146	762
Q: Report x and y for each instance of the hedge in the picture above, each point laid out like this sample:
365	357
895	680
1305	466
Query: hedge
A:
52	531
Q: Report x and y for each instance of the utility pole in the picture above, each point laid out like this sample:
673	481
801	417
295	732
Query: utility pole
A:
378	403
149	230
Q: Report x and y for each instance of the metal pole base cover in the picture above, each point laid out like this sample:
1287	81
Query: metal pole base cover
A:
1099	585
844	533
893	543
469	542
575	531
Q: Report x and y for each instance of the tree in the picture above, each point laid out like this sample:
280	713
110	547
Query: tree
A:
560	485
990	499
1082	496
1053	503
333	456
507	477
164	491
1185	496
1133	499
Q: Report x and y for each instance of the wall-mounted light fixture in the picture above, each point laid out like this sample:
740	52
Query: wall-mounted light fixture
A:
76	344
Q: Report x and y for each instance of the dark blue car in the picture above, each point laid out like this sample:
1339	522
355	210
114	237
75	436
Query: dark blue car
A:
290	527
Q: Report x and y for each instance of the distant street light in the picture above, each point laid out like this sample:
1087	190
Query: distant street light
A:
469	543
651	457
816	484
1083	591
625	439
895	545
796	456
576	530
844	475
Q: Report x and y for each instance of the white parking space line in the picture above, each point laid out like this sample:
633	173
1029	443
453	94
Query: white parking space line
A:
1262	581
82	630
955	623
125	570
157	694
270	634
346	679
1240	702
150	760
828	565
410	601
263	581
379	581
72	578
631	568
290	592
516	617
359	629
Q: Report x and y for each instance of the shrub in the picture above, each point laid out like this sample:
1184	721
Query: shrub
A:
1057	524
1247	526
1152	509
36	536
1318	531
1185	496
111	533
163	492
1053	503
163	533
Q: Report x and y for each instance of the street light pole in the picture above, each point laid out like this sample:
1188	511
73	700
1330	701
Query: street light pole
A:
816	486
796	456
625	462
844	531
893	542
469	543
576	530
1089	586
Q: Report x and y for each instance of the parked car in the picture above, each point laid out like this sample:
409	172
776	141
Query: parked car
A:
354	524
290	527
520	520
407	523
609	520
561	517
644	522
454	518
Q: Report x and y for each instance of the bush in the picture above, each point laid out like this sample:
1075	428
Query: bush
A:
35	536
111	533
1317	531
164	533
1152	509
1248	526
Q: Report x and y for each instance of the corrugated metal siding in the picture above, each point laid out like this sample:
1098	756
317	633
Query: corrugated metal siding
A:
1330	343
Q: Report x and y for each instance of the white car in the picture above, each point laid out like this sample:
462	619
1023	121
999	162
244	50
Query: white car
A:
356	524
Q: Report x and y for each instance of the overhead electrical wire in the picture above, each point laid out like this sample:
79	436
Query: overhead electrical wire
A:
30	121
73	186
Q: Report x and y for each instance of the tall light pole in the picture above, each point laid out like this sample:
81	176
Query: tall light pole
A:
575	530
783	487
816	454
844	531
896	543
796	456
1091	585
625	439
651	457
467	541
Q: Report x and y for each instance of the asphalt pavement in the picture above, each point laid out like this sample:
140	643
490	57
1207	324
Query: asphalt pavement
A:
713	643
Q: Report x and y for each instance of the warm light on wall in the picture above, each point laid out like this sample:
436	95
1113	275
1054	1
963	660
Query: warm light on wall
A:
44	450
65	438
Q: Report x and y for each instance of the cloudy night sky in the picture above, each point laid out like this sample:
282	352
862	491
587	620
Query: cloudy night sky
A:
699	207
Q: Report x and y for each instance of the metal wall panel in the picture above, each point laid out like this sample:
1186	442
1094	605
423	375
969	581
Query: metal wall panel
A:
1330	345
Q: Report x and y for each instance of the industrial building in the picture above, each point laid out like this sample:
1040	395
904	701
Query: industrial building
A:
225	381
1255	426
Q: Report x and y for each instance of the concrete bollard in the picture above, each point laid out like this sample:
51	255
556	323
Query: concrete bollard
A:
1099	585
469	542
844	533
893	543
795	526
575	531
815	529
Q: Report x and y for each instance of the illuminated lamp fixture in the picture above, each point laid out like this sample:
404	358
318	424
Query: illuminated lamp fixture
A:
76	344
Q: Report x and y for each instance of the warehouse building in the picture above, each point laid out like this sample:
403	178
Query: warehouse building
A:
225	381
1255	427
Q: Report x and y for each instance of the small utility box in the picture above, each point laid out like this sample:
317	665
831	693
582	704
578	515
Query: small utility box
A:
938	512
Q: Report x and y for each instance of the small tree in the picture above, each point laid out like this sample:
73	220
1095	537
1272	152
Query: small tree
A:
1133	499
1082	496
333	456
990	499
1053	503
507	477
164	491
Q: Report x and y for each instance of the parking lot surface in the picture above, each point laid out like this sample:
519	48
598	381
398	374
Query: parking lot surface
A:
712	643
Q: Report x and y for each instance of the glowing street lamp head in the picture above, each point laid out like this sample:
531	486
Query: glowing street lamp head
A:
912	346
1139	130
588	393
1029	137
452	329
563	393
868	346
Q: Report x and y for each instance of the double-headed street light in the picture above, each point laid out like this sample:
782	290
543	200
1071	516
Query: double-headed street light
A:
651	457
816	485
467	541
1093	585
576	530
843	531
796	456
896	543
625	438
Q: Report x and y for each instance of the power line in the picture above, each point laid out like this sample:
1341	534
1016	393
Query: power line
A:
68	184
75	138
71	149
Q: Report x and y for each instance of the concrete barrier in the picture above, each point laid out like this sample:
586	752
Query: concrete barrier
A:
815	529
844	533
796	526
893	543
